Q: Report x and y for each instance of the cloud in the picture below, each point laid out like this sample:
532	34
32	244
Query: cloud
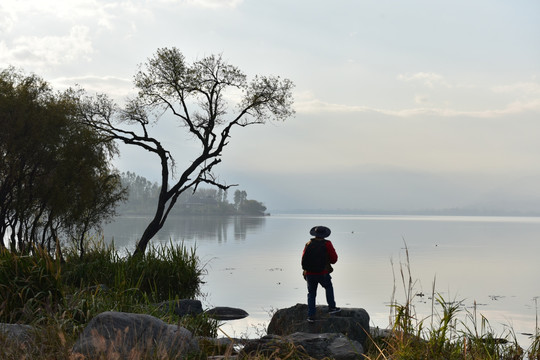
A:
66	10
209	4
48	50
319	106
450	101
428	79
520	88
50	15
7	20
421	99
116	87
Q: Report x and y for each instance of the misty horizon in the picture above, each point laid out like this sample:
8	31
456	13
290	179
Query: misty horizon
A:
399	106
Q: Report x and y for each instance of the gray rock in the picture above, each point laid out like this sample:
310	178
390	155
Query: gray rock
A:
318	346
17	334
226	313
268	345
134	336
219	346
221	342
351	322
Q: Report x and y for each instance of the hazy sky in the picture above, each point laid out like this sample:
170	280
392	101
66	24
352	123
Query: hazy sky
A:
399	104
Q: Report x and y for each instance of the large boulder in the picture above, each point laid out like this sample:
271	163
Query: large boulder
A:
305	346
118	335
351	322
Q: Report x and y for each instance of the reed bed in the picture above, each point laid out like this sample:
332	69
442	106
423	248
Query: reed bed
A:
451	331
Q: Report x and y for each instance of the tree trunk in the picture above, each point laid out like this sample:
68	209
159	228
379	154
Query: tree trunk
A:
150	231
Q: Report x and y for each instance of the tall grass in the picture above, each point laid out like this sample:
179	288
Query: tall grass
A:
59	299
29	284
171	271
442	334
165	271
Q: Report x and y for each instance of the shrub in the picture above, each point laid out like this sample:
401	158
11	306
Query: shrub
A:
164	272
29	284
167	271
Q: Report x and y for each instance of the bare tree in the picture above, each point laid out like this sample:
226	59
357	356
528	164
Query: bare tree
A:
195	94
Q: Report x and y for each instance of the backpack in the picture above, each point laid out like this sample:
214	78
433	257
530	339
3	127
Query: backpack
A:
315	258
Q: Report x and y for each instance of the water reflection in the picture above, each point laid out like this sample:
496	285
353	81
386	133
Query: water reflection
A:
127	230
488	261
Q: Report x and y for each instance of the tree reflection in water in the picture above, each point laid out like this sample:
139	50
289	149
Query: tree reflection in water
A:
126	230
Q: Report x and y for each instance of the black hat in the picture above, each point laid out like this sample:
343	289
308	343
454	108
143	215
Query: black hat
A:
320	232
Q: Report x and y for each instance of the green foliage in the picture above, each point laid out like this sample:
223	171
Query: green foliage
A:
239	197
29	285
252	207
99	265
534	350
59	299
200	325
447	337
102	281
143	196
164	272
45	342
167	271
438	336
55	178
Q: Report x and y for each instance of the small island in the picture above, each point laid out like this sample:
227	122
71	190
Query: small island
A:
142	197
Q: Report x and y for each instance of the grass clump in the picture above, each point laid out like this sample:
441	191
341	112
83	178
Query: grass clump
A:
29	284
442	335
58	298
165	271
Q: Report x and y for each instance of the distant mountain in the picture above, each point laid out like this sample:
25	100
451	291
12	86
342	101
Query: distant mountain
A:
392	190
520	196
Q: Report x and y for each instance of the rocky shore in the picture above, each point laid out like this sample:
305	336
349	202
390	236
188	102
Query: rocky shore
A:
339	336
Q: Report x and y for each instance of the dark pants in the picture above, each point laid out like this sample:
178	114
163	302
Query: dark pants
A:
312	283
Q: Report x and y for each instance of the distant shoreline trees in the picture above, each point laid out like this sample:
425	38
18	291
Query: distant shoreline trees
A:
143	194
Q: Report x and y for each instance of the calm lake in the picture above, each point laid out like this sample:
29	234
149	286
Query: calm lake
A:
253	263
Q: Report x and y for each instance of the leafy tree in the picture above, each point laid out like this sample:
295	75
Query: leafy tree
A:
239	197
252	207
222	195
54	173
142	194
194	94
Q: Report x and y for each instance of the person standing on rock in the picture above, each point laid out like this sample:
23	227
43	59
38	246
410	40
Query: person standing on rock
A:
317	257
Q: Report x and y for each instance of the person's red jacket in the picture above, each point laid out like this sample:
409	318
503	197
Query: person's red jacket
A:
332	257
